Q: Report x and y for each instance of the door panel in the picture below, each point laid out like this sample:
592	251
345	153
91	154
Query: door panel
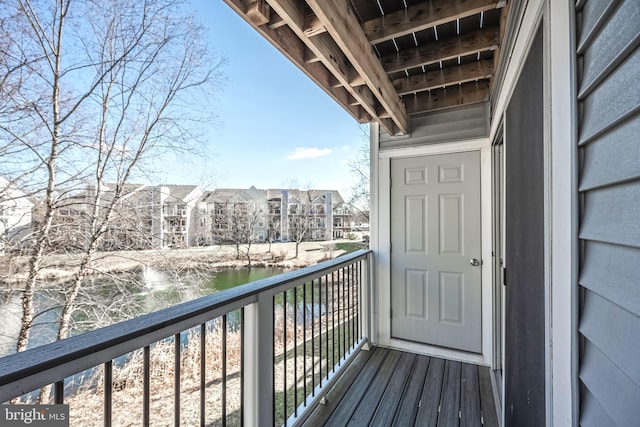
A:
435	232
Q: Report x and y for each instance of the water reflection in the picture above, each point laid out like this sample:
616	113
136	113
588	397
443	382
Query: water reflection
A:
107	299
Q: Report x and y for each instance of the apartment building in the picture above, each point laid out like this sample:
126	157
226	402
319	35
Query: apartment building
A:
228	214
15	216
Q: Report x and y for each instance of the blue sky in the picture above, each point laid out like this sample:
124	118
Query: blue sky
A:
275	123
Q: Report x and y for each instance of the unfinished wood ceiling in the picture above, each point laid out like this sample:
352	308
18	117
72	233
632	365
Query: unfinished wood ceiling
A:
384	60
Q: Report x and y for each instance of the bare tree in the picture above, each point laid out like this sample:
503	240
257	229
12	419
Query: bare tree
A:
360	170
92	93
301	217
273	227
253	216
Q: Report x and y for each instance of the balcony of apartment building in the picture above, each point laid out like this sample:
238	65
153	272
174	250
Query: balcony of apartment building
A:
173	210
497	278
292	349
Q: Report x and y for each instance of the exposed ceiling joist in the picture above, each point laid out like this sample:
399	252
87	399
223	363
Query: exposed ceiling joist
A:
453	96
422	16
327	51
469	72
340	22
312	25
432	53
353	49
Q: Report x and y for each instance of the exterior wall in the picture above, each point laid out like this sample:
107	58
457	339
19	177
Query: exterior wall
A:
560	253
460	124
160	195
278	217
608	39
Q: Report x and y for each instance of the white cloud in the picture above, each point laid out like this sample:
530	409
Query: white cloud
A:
308	153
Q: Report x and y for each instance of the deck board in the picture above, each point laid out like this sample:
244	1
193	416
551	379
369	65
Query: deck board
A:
358	389
470	415
428	409
390	401
406	412
487	404
450	401
333	397
370	401
390	387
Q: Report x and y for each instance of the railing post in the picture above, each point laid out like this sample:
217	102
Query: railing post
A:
258	368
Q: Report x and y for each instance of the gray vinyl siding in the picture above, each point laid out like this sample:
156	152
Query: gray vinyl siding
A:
456	124
608	40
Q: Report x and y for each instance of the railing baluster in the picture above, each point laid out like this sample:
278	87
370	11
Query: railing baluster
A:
273	358
108	384
242	359
224	371
146	373
176	380
304	338
333	323
320	331
203	370
326	321
338	310
350	297
295	351
58	392
353	307
359	288
284	354
345	319
313	339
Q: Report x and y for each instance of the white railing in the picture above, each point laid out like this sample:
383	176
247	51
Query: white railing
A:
274	347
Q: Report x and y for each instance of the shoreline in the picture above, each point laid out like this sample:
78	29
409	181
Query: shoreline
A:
60	268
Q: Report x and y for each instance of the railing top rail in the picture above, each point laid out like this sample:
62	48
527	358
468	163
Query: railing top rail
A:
57	360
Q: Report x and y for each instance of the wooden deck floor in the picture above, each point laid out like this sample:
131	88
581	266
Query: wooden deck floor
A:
385	387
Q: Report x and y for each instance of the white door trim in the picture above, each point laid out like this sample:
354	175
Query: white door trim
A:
380	243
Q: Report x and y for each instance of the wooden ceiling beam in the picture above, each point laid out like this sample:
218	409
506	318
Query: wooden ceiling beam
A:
453	96
287	42
341	23
434	52
504	13
449	76
312	25
276	21
422	16
258	12
324	48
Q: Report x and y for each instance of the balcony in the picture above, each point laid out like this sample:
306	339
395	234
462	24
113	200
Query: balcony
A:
287	350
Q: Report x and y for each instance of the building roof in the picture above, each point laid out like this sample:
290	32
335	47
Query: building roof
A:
181	192
225	195
384	60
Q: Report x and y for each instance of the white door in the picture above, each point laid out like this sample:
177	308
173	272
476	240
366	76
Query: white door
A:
435	250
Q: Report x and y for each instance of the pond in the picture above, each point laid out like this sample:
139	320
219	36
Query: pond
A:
108	299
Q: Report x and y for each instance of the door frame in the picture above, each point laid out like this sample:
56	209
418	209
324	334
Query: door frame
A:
381	241
498	256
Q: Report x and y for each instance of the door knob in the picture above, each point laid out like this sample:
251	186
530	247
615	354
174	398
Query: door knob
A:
474	262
